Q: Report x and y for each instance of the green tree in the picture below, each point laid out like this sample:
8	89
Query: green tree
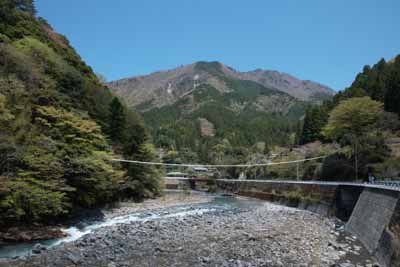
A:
144	180
5	114
353	119
298	133
8	6
30	200
54	111
7	146
314	120
392	96
117	120
267	147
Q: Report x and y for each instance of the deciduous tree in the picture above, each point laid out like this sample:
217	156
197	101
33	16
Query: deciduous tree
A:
353	119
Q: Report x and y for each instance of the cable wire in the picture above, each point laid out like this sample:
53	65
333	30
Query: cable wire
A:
216	165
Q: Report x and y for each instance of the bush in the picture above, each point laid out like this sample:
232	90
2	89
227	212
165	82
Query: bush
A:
95	180
30	200
312	171
4	38
337	167
144	180
388	169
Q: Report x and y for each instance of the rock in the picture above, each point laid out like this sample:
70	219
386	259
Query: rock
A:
34	233
73	258
205	259
158	249
265	235
38	248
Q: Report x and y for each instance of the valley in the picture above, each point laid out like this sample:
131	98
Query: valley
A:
203	164
242	108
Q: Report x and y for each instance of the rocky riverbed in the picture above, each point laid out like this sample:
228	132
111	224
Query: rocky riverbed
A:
231	232
170	199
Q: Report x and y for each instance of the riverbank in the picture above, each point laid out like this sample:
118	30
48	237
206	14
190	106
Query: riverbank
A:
169	199
30	234
229	233
20	234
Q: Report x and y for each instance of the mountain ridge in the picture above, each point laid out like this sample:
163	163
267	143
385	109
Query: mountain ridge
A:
171	84
200	105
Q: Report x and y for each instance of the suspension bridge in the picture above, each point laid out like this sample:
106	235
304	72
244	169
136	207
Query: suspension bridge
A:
388	183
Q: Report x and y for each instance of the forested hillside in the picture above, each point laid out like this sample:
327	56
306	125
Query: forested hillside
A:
208	109
364	119
59	126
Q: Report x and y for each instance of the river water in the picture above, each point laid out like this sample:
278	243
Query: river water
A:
219	203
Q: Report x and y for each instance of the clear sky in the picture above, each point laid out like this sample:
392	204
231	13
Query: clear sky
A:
328	41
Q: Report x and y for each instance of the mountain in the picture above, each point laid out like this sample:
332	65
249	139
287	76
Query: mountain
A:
195	107
302	89
165	87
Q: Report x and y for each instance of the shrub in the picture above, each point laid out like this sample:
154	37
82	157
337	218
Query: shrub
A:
337	167
30	200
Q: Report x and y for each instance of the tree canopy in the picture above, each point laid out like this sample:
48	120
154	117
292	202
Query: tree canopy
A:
355	117
59	127
354	120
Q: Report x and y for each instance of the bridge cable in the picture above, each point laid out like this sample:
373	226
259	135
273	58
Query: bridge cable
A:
216	165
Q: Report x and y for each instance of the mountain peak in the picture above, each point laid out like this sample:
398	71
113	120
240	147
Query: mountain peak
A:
165	87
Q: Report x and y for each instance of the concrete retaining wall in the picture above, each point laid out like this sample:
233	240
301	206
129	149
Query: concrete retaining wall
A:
373	213
375	221
325	199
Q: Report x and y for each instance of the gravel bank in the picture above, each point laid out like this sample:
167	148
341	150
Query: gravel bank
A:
266	235
168	200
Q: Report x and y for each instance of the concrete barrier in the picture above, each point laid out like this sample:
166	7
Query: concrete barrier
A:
375	221
327	199
372	211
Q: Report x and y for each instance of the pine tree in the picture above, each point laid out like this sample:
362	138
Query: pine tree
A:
23	5
117	121
267	147
299	130
26	5
314	120
392	96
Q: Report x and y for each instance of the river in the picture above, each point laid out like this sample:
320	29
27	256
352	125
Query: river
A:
209	230
85	227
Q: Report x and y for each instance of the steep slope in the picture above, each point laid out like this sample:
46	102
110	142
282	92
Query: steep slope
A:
165	87
381	82
57	127
378	144
196	107
304	90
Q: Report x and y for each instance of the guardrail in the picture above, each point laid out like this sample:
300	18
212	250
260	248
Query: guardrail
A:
385	184
388	183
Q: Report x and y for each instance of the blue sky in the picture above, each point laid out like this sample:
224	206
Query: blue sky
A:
324	41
